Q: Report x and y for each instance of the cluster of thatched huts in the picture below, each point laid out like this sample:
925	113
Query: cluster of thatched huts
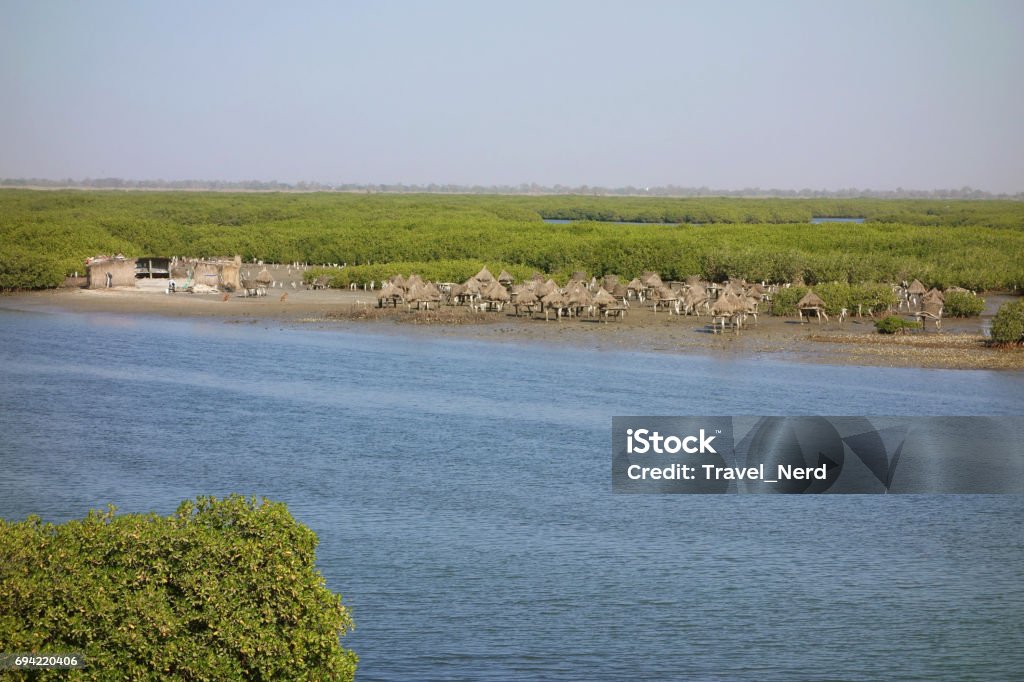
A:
728	305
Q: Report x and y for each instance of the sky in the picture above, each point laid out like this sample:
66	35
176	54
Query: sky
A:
771	94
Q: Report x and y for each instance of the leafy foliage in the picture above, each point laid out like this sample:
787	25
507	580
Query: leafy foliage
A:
45	235
784	301
895	325
222	589
963	304
1008	324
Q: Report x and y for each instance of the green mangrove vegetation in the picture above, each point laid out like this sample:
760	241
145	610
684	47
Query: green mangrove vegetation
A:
1008	324
220	590
47	235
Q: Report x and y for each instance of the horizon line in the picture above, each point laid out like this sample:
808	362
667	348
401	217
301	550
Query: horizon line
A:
659	191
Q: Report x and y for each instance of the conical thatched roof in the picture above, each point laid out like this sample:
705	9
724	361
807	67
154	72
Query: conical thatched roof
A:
578	296
620	291
484	276
553	298
545	288
412	294
757	290
264	277
495	292
413	281
430	292
389	290
933	307
694	280
472	286
734	288
934	295
665	294
635	285
603	298
695	295
523	294
537	277
916	288
810	300
506	278
651	280
398	281
727	304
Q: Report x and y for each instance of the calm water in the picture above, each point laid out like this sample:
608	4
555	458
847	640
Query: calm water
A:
461	493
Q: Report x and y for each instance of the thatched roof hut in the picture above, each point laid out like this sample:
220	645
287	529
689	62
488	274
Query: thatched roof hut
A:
694	280
651	280
484	276
264	277
578	296
579	276
414	281
603	298
916	288
733	287
694	296
811	301
390	292
505	278
495	292
663	293
553	299
537	277
726	304
545	288
620	291
104	272
933	295
635	285
430	292
523	294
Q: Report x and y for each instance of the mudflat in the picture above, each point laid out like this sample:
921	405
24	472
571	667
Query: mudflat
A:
960	344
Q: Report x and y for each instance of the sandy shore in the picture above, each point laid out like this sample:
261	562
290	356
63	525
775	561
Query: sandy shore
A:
959	346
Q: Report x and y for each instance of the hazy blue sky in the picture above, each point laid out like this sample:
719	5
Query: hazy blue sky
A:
724	94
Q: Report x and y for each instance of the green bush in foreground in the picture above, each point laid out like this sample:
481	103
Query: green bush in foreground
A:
963	304
220	590
895	325
1008	323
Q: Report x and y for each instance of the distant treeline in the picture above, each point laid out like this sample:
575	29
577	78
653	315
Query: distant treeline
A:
46	235
522	188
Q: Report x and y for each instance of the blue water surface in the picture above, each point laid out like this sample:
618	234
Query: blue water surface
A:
461	493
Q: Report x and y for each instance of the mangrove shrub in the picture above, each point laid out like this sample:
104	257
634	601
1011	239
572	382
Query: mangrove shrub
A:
962	304
895	325
1008	323
220	590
